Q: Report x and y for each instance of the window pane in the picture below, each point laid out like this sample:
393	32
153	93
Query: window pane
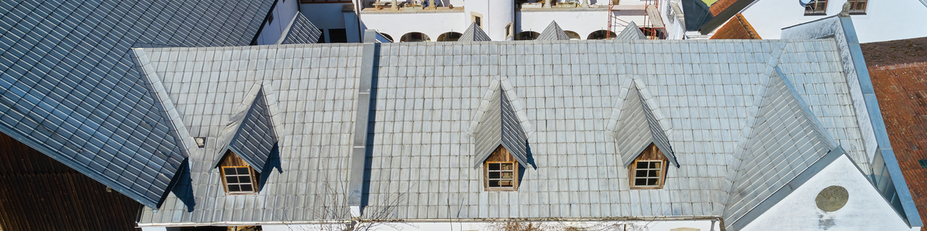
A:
242	170
494	166
494	183
244	179
641	164
229	171
508	175
234	188
640	173
231	180
640	181
653	173
507	166
493	175
655	164
505	182
246	188
651	181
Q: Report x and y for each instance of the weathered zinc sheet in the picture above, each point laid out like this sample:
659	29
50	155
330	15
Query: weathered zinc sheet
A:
426	95
553	32
310	93
632	131
250	133
488	132
631	32
300	31
474	34
702	91
784	141
70	90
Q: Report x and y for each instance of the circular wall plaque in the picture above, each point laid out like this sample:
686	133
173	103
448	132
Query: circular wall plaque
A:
832	198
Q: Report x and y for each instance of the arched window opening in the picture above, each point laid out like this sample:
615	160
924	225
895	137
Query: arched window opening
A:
414	37
602	34
449	37
527	35
573	35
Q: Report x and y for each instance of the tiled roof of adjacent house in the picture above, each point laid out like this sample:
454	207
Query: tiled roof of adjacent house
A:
736	28
425	97
70	89
898	69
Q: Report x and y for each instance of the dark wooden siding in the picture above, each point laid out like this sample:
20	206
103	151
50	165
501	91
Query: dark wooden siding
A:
39	193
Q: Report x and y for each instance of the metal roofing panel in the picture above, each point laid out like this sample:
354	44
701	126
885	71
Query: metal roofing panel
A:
553	32
474	33
786	139
300	30
631	32
92	93
252	134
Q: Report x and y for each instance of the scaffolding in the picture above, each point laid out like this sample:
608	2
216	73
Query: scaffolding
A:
652	26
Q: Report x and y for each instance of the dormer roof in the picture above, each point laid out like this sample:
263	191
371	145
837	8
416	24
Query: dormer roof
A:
474	34
250	133
498	124
631	32
637	128
300	31
553	32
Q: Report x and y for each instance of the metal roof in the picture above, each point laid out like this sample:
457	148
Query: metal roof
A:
70	90
497	124
474	34
637	128
300	30
553	32
631	32
249	133
785	139
425	98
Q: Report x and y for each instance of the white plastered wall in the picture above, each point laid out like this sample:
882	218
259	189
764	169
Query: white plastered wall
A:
883	21
283	13
865	208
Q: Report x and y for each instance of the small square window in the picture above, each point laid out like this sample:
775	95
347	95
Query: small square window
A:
648	171
816	7
501	175
858	6
238	179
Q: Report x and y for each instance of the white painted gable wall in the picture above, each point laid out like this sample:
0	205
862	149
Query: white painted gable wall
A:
865	209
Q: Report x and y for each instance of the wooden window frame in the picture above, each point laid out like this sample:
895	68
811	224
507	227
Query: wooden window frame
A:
811	10
649	154
855	6
501	156
231	160
476	18
514	171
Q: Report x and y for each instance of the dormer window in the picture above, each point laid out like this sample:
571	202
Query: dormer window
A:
500	171
238	177
648	170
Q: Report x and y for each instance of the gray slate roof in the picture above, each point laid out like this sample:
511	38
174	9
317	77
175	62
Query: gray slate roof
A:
631	32
70	90
637	128
497	124
250	133
300	30
426	96
553	32
474	34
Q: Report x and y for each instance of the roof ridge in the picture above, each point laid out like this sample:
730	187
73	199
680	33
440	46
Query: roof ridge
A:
635	125
631	32
474	33
305	31
243	123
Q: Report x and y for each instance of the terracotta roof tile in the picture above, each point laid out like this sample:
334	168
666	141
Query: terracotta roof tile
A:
736	28
895	52
902	93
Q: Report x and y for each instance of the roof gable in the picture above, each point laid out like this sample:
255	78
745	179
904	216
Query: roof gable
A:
631	32
474	34
300	31
497	125
785	139
637	128
553	32
250	133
